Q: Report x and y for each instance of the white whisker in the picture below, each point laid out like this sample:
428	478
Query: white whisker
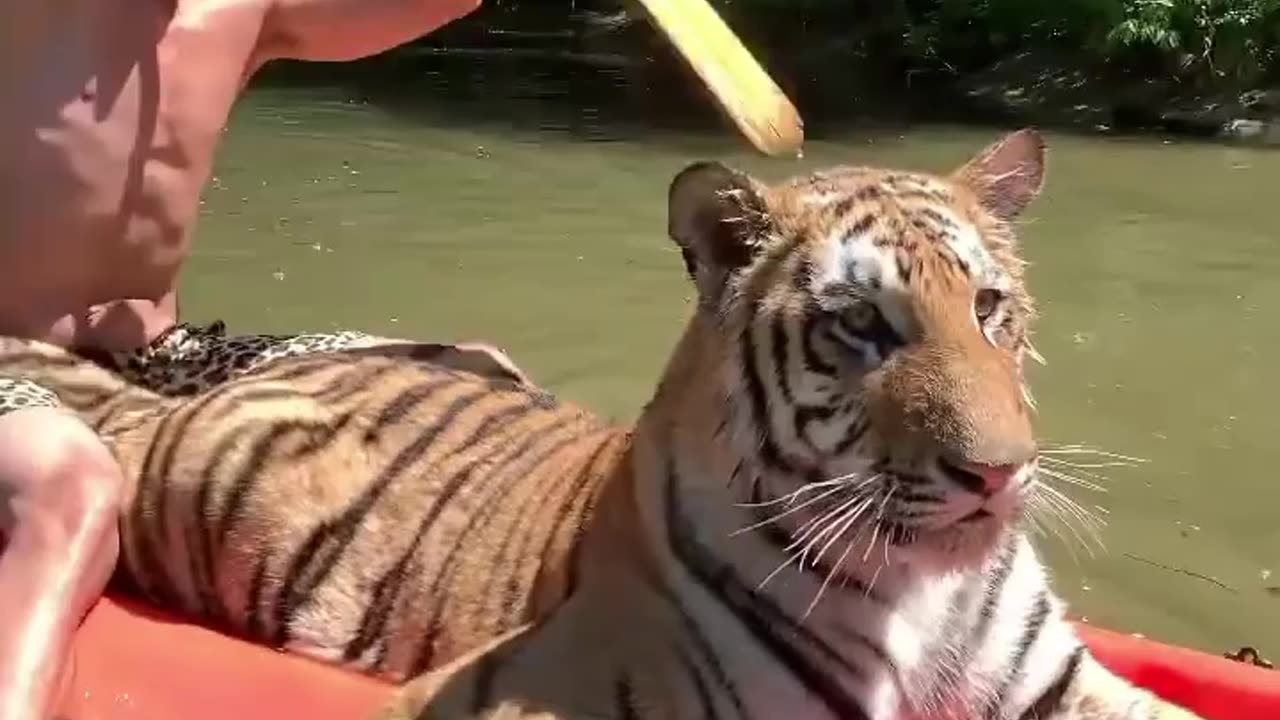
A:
790	510
876	529
844	527
1068	478
851	517
1086	450
794	494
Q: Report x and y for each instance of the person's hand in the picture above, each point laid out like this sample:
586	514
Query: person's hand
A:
125	325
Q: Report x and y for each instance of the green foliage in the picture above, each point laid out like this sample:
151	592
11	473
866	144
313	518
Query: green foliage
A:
1213	39
1205	41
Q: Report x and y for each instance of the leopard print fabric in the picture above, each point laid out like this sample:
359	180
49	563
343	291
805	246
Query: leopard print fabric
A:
187	359
23	394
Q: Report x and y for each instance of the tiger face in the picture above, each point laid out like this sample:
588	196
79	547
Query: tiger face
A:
873	326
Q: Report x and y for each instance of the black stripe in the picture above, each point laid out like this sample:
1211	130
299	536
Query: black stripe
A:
316	559
903	261
151	497
249	474
387	590
1033	626
485	673
994	589
805	414
843	206
562	515
394	412
759	615
706	701
936	217
702	646
318	437
1049	704
770	453
868	192
199	538
253	606
857	430
859	227
445	574
933	196
624	698
352	383
283	369
781	363
202	552
812	361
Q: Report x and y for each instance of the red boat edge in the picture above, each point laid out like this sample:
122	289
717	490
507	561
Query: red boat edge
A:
133	662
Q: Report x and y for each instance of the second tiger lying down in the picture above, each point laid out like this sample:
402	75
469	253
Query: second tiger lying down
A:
819	515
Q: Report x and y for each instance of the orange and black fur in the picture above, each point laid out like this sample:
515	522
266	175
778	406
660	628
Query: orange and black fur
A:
821	513
370	507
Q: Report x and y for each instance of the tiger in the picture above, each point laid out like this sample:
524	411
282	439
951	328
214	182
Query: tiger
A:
822	512
375	504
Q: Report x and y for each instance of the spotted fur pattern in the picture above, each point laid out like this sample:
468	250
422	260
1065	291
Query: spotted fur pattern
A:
822	512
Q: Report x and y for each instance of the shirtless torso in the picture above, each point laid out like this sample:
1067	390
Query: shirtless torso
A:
108	145
111	115
113	111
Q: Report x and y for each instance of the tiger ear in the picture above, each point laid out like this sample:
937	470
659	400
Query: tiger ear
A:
718	218
1007	175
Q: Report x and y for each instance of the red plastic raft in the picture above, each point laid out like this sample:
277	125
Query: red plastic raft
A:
132	663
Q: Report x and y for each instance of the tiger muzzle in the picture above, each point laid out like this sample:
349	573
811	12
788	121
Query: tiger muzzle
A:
959	406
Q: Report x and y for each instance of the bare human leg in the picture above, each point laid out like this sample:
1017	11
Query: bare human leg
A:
60	498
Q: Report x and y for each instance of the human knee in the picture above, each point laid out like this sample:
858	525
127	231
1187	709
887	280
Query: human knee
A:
50	461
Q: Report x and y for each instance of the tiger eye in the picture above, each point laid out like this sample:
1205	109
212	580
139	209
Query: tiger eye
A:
985	303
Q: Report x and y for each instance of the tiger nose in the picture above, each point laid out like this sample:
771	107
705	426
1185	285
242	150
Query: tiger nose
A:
980	477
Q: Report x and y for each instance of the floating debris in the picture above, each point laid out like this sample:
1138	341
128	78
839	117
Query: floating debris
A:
1182	571
1249	656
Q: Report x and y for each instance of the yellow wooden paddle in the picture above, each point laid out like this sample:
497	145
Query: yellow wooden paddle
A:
746	92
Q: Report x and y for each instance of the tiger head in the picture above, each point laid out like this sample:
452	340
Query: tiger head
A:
873	326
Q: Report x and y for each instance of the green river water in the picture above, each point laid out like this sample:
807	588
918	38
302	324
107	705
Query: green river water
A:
1155	265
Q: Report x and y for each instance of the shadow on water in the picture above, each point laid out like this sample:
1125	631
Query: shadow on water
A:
579	76
587	97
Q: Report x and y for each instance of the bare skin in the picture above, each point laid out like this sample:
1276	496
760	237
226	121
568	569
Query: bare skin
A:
113	111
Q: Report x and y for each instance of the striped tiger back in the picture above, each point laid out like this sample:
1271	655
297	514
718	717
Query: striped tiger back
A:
364	507
823	511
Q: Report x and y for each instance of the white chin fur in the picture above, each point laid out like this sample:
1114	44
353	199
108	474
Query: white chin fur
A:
955	547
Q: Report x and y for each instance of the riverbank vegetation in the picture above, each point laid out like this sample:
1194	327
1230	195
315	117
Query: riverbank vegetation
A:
1194	66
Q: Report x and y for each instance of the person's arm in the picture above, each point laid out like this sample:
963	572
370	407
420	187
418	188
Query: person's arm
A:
350	29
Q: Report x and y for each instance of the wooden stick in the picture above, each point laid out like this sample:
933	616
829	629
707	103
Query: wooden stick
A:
743	89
